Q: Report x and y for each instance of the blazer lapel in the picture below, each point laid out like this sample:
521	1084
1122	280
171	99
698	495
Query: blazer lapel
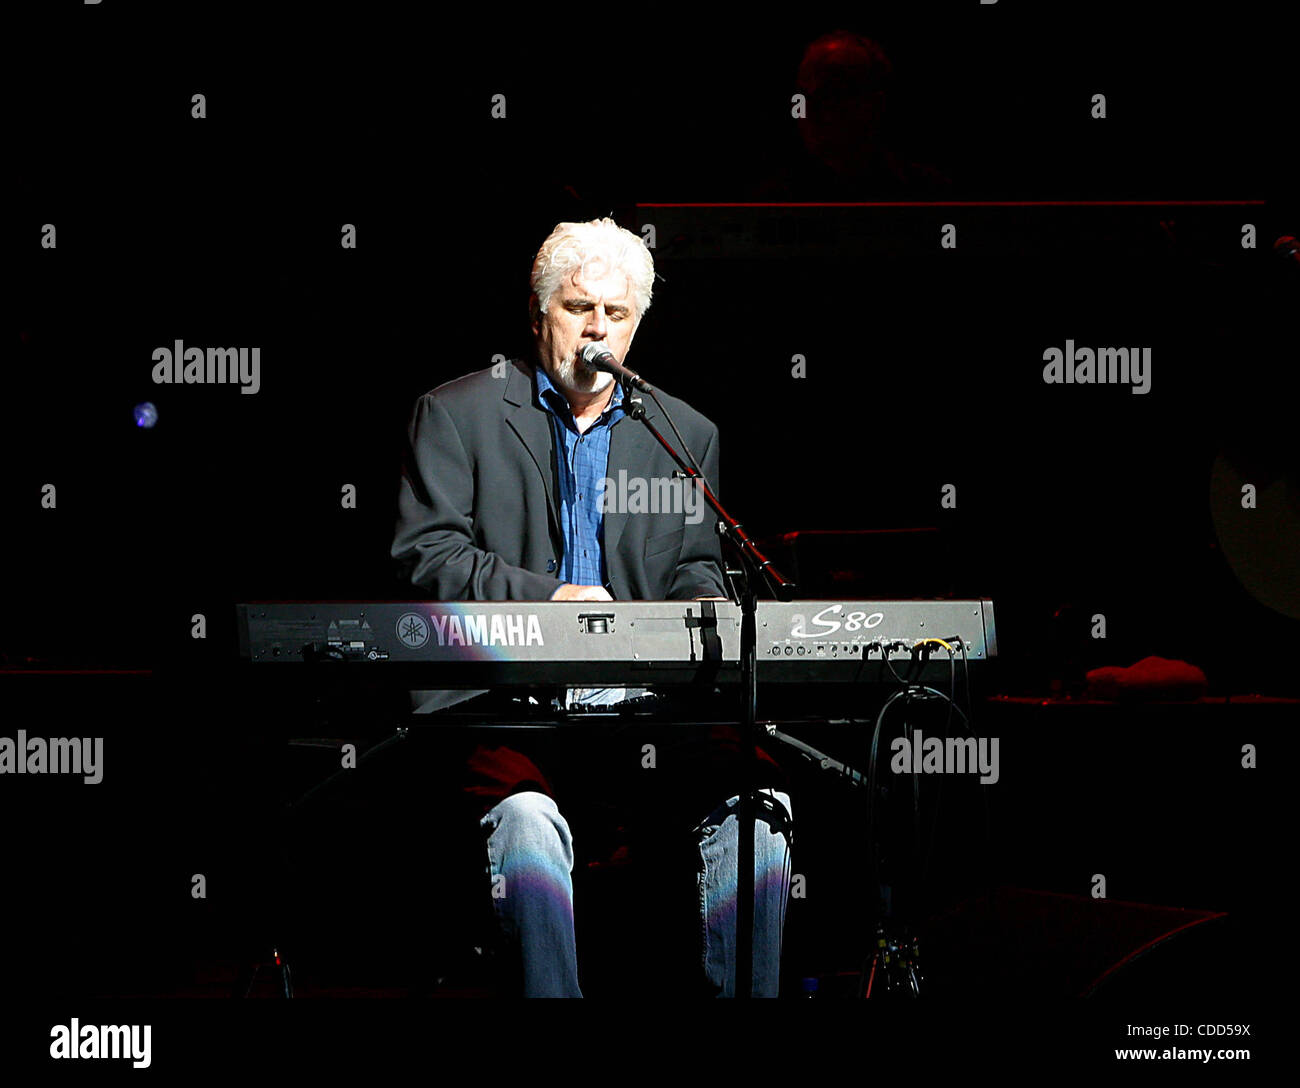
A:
532	425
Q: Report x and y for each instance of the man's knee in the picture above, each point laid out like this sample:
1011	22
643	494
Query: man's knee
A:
531	821
772	814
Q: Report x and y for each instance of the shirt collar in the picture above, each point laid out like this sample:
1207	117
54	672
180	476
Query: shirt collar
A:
551	398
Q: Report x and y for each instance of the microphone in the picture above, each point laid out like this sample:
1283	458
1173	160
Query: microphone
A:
599	357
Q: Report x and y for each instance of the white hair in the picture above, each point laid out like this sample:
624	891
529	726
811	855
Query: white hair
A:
594	249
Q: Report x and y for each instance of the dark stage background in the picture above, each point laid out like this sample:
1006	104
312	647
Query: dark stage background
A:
923	369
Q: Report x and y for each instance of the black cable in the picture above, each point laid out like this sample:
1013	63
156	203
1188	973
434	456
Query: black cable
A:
988	821
916	792
938	790
909	690
872	789
884	652
937	694
969	720
905	693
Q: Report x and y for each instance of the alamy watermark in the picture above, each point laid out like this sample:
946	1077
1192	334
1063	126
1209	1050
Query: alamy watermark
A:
58	755
659	495
179	365
78	1040
1105	366
946	755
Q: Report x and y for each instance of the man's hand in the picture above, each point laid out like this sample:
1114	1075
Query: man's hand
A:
568	592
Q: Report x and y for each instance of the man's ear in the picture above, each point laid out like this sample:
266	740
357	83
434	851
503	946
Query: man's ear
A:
534	313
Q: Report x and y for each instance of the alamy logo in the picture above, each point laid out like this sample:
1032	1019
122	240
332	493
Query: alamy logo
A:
1105	366
102	1041
660	495
179	365
58	755
946	755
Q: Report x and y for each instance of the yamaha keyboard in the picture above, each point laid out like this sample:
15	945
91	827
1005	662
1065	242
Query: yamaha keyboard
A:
451	644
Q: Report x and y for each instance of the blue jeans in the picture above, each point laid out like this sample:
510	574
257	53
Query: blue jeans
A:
530	862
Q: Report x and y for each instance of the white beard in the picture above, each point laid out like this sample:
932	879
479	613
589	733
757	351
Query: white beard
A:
575	377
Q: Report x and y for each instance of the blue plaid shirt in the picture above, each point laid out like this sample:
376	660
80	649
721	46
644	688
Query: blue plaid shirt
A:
584	464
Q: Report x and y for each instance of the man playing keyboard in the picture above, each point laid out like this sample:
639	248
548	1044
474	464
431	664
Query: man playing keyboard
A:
505	496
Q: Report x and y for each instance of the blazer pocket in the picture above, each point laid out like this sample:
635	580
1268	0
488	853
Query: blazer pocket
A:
664	542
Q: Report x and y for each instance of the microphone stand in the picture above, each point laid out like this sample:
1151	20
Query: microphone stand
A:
756	565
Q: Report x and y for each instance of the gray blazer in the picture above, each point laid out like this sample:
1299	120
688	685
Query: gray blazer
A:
478	514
